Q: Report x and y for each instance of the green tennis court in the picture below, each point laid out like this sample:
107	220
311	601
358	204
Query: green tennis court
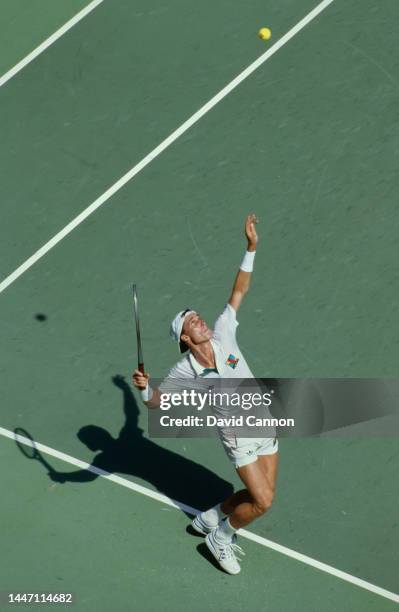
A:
309	142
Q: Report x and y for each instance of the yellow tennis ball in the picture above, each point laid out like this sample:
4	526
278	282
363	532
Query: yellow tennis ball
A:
264	33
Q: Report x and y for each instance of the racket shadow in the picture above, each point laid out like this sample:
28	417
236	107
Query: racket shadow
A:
132	454
26	444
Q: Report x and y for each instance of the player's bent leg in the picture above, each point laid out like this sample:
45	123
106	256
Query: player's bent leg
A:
258	472
236	498
260	476
269	465
259	479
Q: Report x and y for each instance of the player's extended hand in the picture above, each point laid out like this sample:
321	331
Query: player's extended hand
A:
140	380
250	231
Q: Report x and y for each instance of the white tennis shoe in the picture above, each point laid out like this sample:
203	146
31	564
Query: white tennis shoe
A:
225	553
202	526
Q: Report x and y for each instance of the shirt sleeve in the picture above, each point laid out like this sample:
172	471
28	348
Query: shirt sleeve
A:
176	380
226	323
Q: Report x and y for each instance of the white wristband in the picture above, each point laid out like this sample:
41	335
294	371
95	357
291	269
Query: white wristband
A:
146	394
247	264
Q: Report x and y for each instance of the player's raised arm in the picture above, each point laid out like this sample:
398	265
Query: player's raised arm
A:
243	278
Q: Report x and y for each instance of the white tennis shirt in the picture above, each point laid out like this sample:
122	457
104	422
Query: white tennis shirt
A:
230	362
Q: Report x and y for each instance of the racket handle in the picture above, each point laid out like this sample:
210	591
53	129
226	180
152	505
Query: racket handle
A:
141	368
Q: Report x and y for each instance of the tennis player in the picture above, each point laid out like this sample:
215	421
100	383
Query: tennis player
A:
215	354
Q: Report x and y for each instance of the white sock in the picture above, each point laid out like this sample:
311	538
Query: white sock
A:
225	531
213	515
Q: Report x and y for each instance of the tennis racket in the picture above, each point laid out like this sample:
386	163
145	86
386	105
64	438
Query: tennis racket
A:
140	359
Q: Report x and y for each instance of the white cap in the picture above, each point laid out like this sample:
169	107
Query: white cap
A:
177	325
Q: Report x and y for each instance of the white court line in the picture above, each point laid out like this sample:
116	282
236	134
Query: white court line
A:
49	41
328	569
164	145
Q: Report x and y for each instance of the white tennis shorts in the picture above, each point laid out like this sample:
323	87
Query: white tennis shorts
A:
243	451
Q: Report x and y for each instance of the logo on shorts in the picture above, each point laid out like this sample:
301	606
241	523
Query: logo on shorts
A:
232	361
250	452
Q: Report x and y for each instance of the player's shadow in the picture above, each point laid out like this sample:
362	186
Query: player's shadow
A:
131	453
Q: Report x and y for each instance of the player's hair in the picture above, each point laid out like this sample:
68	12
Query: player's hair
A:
183	347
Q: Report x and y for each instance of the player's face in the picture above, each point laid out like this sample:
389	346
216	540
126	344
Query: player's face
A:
196	328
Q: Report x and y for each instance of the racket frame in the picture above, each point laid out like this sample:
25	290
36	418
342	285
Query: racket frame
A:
19	431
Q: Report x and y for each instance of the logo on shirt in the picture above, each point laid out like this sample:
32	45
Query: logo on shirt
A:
232	361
